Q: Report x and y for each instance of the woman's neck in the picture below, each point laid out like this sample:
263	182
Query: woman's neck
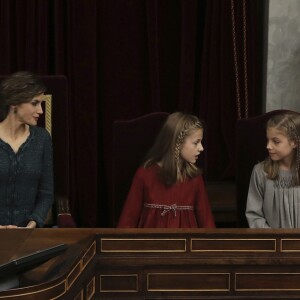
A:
12	130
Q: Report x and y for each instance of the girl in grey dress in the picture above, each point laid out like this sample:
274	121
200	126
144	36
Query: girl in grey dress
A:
274	190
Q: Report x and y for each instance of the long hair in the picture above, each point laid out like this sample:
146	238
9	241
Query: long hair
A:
20	87
289	125
167	146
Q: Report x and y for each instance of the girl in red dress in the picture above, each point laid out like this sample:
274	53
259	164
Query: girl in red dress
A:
168	190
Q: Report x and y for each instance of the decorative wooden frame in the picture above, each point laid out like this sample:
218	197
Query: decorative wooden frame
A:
48	113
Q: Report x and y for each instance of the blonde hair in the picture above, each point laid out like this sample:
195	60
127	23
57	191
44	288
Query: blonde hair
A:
289	125
167	146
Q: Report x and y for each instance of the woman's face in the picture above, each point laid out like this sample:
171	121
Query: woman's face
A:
29	112
192	146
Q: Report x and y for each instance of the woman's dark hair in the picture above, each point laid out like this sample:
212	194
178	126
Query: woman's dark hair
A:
20	87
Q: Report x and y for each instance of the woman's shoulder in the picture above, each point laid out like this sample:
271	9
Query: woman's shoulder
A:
39	131
40	135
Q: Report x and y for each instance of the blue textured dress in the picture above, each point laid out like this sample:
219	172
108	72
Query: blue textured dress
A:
26	180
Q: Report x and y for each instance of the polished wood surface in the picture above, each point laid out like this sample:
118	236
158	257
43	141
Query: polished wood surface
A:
52	279
158	264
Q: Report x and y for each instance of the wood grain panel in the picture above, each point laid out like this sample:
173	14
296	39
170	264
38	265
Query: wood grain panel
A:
119	283
290	245
143	245
188	282
267	282
74	274
79	296
89	254
233	245
90	289
52	292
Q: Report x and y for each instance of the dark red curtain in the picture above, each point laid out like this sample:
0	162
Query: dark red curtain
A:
231	77
125	58
60	38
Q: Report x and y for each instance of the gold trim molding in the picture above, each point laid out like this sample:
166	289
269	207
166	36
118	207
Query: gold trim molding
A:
232	250
188	290
119	275
142	250
264	289
48	113
287	240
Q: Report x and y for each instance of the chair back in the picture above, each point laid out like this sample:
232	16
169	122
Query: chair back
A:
250	149
131	140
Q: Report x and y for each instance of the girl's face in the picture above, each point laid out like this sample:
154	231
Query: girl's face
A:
279	146
192	146
29	112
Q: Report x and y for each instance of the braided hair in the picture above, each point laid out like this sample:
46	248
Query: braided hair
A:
167	146
289	124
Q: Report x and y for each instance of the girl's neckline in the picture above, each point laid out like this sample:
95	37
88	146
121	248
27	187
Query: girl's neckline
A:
283	171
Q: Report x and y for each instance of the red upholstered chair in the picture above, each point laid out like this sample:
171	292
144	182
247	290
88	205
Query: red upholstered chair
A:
250	149
55	120
131	140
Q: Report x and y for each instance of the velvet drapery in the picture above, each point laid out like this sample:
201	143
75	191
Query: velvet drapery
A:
125	58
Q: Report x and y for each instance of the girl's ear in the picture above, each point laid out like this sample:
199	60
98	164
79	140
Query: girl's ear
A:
294	145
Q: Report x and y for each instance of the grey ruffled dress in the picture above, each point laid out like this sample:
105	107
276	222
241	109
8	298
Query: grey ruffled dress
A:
272	203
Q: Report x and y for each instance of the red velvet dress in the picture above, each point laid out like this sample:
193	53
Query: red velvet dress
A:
151	204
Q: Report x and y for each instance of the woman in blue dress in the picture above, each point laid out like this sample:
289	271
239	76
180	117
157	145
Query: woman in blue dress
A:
26	163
